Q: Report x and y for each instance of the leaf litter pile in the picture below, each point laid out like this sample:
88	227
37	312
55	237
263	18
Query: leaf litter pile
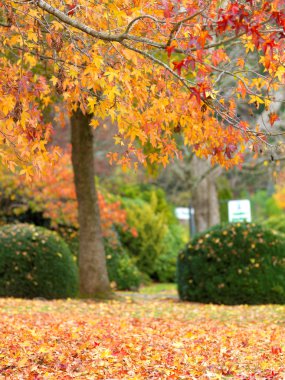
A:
146	339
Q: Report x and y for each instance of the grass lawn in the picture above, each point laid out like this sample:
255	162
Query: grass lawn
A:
159	289
141	339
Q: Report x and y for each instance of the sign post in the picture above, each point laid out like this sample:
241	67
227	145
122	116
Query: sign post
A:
239	211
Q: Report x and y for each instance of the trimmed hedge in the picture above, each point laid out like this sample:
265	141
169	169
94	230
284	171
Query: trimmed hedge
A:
35	262
234	264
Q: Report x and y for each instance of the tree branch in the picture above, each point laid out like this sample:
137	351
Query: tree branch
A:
131	24
5	25
77	24
179	23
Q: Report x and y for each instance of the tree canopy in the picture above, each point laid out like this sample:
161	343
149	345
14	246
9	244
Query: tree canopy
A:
157	68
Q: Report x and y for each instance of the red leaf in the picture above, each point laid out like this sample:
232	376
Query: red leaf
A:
190	62
234	8
269	45
276	350
169	50
167	8
272	118
223	24
196	94
72	8
230	149
178	66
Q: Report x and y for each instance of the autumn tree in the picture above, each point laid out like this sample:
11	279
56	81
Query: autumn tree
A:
153	67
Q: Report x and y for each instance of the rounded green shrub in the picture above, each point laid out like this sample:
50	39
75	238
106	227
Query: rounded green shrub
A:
234	264
122	271
35	262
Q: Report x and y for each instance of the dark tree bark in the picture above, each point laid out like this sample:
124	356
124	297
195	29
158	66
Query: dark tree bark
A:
94	281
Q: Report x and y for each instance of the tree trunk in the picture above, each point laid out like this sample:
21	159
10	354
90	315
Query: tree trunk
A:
204	195
94	281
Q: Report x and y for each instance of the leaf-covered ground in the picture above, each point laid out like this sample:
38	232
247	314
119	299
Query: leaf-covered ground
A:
145	339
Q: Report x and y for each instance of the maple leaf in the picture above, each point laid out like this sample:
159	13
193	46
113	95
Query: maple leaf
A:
169	50
266	61
256	100
219	56
72	8
280	72
276	350
178	65
168	7
230	149
195	93
241	89
240	62
272	118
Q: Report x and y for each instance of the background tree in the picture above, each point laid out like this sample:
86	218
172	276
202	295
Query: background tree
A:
192	182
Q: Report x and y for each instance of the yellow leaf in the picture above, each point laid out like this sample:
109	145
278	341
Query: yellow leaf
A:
30	59
7	104
92	103
54	80
32	36
57	25
111	75
94	123
280	72
249	45
255	98
73	73
105	354
22	362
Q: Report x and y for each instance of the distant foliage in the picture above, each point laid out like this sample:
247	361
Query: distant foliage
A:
151	195
146	247
159	236
233	264
276	223
166	263
50	199
265	206
35	262
279	196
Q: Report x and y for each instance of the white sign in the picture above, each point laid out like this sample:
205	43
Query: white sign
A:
183	213
239	211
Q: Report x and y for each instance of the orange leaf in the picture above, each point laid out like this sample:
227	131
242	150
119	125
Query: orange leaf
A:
272	118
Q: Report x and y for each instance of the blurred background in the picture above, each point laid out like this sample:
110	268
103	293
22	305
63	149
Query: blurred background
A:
147	215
